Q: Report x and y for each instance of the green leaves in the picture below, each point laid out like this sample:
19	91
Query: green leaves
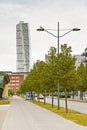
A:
45	74
82	71
4	79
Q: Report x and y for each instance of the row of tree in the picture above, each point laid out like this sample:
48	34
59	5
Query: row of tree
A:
57	68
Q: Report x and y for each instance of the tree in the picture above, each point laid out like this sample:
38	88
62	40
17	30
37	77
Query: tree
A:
66	70
36	79
82	71
4	79
10	92
44	76
50	59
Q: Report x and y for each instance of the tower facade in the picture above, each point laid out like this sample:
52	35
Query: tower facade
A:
22	40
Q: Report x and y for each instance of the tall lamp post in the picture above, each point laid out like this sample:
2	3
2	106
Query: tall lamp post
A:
58	37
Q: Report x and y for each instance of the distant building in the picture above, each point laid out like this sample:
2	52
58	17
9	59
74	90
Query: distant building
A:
79	60
16	79
22	39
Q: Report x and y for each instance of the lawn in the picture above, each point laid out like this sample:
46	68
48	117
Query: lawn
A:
4	102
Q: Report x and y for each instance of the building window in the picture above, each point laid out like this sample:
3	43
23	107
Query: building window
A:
17	77
16	80
12	80
12	77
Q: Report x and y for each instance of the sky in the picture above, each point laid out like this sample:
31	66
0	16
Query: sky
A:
47	13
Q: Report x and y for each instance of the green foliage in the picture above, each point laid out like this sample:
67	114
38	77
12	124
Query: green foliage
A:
82	71
4	79
52	67
4	102
68	78
45	75
10	92
36	79
19	91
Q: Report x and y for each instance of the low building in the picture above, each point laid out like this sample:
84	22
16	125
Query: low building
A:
15	80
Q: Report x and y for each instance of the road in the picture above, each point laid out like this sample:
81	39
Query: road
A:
78	106
24	115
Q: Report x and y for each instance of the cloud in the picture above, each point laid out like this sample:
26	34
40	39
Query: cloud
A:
37	13
47	3
8	63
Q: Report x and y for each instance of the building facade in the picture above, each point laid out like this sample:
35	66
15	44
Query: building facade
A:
22	40
16	79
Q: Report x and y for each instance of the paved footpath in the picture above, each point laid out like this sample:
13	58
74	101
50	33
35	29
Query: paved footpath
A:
3	112
2	117
24	115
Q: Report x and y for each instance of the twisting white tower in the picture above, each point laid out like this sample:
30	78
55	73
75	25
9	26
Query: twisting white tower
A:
22	39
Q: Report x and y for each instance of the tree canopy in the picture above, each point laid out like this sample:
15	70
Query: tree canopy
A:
45	74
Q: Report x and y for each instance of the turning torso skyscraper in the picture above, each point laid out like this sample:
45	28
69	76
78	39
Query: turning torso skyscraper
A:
22	40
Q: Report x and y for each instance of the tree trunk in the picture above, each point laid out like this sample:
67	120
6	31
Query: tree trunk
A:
1	90
38	97
52	100
81	95
73	94
66	105
44	97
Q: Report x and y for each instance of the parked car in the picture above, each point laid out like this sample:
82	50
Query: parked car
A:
40	96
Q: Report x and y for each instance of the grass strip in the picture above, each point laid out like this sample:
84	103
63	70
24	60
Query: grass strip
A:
4	102
72	115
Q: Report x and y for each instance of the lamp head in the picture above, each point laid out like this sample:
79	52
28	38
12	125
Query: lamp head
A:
40	29
76	29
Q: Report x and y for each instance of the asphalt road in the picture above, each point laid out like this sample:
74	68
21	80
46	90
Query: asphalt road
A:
24	115
78	106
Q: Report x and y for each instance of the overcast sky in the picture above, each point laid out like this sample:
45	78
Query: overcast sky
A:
46	13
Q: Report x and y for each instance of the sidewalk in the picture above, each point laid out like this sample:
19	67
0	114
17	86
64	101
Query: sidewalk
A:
2	117
24	115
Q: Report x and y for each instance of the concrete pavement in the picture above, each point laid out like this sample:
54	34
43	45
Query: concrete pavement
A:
2	117
3	112
74	105
24	115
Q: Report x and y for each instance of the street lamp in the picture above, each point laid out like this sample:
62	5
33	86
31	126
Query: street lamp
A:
58	37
